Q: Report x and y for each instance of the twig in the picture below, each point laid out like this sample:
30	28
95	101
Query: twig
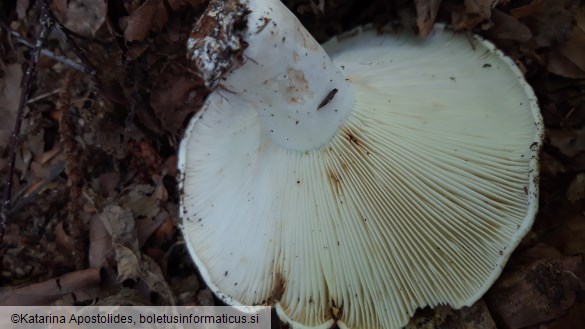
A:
31	196
45	52
46	23
74	175
66	33
43	96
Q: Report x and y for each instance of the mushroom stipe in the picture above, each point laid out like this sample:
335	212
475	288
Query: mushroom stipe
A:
412	191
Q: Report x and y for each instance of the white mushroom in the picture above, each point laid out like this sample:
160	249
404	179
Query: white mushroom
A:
400	173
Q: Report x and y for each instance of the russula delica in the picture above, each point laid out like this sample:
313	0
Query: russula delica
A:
357	181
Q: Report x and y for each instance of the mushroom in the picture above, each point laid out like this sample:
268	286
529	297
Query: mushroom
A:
357	181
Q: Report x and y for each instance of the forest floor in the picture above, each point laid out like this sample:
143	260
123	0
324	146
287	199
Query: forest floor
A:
94	211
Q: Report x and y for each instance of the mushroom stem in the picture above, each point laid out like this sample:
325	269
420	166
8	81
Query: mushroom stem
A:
276	66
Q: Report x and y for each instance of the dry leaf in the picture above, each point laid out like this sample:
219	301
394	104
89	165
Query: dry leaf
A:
532	9
100	243
553	23
426	14
154	279
174	96
569	59
21	8
151	16
508	28
482	8
9	95
568	141
476	316
82	16
141	201
576	190
540	292
119	222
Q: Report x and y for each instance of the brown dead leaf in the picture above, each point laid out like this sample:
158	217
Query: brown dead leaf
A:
21	8
568	141
154	279
186	289
576	191
537	293
569	59
175	94
574	235
119	222
128	263
45	293
426	15
551	165
507	27
9	95
553	23
532	9
473	13
205	298
82	16
481	8
151	16
100	243
575	319
107	183
141	201
476	316
147	226
131	263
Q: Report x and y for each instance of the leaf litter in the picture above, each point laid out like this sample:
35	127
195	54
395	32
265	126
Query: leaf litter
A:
126	123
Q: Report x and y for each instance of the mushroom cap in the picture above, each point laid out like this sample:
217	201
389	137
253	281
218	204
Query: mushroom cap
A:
419	199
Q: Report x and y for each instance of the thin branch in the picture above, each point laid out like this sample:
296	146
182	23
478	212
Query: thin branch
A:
45	52
66	33
46	23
